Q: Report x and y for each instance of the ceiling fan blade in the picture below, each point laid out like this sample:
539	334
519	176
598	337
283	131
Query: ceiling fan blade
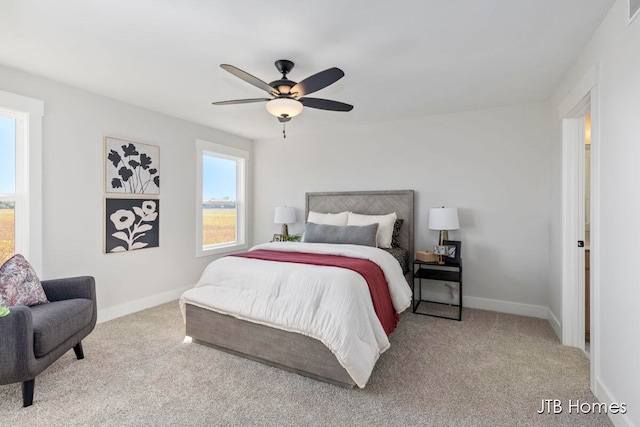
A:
241	101
325	104
249	78
317	81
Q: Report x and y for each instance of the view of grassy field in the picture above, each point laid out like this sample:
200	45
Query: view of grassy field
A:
218	226
6	234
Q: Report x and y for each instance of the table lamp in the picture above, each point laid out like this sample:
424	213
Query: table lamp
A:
285	215
443	219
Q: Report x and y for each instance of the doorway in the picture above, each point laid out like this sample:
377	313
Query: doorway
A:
583	101
587	231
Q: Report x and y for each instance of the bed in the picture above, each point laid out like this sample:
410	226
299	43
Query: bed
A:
215	313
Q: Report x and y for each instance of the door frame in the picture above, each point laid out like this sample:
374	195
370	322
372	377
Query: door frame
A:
582	99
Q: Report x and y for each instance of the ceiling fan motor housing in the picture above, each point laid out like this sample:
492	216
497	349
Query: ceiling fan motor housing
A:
283	86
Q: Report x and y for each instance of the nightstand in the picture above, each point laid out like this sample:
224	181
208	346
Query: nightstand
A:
448	272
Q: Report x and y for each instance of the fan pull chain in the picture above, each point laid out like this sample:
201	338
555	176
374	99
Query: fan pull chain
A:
284	130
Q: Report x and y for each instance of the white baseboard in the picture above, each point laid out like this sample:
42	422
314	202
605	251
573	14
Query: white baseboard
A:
506	307
604	396
137	305
471	302
555	324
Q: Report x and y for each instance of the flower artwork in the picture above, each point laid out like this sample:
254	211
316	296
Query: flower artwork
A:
131	167
131	224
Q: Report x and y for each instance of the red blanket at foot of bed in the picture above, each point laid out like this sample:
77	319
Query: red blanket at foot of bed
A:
371	272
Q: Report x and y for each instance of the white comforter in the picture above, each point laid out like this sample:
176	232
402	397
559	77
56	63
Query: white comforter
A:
330	304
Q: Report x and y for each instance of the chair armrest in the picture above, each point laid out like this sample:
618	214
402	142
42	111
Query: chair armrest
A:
16	344
69	288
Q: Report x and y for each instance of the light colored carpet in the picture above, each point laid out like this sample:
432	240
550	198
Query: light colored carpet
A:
490	369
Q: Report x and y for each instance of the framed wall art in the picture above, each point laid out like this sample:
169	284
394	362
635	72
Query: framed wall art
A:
131	167
131	224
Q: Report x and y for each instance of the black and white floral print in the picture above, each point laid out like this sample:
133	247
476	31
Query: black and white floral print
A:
132	167
131	224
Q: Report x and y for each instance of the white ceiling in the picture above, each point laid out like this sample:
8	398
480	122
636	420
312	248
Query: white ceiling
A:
402	58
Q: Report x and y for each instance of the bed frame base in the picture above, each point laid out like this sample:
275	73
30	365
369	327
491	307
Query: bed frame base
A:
290	351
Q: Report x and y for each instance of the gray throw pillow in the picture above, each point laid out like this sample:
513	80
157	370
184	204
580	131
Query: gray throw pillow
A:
348	234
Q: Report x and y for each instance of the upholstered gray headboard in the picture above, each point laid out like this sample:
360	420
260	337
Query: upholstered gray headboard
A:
368	203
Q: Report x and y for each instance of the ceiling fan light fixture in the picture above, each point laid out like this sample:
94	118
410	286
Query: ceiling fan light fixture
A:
284	107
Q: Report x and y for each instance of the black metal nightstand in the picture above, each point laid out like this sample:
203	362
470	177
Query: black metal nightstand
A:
448	272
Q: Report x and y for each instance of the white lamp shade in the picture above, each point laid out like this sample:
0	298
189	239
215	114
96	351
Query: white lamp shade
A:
284	107
285	215
443	219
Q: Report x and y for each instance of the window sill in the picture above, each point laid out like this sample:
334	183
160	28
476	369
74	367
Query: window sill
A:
220	250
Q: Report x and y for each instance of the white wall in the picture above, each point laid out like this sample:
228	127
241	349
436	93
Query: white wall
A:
615	47
74	125
490	164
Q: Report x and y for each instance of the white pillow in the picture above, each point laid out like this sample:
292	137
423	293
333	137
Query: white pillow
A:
385	226
328	218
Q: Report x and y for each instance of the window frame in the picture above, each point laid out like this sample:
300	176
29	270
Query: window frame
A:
28	113
242	167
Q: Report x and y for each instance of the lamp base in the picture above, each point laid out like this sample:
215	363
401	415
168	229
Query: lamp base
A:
444	235
285	230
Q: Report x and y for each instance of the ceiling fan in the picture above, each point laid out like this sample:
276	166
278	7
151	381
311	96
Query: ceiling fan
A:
289	97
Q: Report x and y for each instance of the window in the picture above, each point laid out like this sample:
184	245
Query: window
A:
222	192
21	178
11	140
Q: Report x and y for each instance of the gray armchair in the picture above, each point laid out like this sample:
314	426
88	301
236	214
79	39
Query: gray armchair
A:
32	338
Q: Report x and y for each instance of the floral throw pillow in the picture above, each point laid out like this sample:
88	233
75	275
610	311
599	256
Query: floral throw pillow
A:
19	284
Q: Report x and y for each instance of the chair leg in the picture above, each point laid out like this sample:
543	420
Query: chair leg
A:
27	392
78	350
29	386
